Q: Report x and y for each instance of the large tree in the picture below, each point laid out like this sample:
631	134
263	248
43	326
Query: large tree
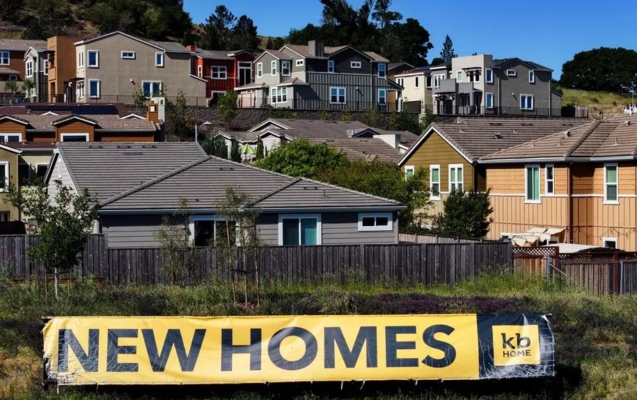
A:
602	69
224	31
300	158
447	53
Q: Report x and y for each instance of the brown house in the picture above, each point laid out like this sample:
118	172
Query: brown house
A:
62	66
12	66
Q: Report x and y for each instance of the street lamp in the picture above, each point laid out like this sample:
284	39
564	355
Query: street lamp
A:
197	129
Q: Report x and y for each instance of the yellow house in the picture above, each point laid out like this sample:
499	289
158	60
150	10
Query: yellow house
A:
394	69
582	180
8	174
451	151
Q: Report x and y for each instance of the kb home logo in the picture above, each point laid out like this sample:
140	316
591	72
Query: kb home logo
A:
516	345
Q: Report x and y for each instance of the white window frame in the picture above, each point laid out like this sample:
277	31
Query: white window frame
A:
4	136
260	70
319	228
128	55
531	76
431	182
356	64
289	67
97	59
274	68
606	183
511	73
29	74
274	97
488	75
438	80
161	84
338	88
6	177
63	135
5	55
387	228
474	76
547	180
300	63
99	89
382	67
196	218
486	103
330	66
221	70
526	184
416	82
523	105
46	67
384	91
80	59
161	62
428	81
200	71
456	182
609	239
459	76
408	169
400	81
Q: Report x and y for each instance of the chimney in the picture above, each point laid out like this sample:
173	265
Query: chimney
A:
192	47
391	139
315	48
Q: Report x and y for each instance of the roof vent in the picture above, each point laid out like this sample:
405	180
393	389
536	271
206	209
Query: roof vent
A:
132	153
527	124
626	123
148	146
567	134
615	144
497	135
567	124
532	143
123	147
495	123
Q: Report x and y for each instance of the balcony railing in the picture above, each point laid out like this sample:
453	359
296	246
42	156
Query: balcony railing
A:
499	111
318	105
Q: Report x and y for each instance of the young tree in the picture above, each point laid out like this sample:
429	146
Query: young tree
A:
216	146
235	154
300	158
260	150
466	215
437	61
227	106
174	238
28	87
63	225
217	31
179	119
447	53
11	86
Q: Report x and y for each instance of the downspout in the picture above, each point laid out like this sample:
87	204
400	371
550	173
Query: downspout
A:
569	194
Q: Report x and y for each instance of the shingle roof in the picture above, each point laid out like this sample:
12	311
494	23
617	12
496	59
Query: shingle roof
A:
8	71
304	51
202	184
500	62
31	145
45	122
107	169
362	148
214	54
21	45
171	47
278	54
406	138
398	64
328	129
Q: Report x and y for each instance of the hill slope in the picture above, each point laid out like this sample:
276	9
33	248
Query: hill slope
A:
606	102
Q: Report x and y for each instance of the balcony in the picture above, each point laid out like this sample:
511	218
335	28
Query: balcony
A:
450	86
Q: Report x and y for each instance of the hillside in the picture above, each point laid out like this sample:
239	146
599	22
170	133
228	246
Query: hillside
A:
606	102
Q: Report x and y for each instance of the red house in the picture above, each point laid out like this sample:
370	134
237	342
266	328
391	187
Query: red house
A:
223	70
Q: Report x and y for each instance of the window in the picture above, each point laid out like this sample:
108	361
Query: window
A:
459	76
409	171
24	174
46	67
375	222
489	100
80	59
531	76
382	70
417	82
434	182
259	70
13	77
400	81
512	73
474	76
279	95
128	55
526	102
489	73
10	137
206	229
5	216
4	175
285	68
74	137
29	68
200	71
151	88
356	64
382	96
438	80
549	180
610	243
456	178
94	89
159	59
93	58
218	72
303	230
300	63
40	170
611	192
80	89
428	81
532	184
330	66
273	68
4	58
337	95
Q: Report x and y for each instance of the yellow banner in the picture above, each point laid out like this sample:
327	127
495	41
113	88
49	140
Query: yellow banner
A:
215	350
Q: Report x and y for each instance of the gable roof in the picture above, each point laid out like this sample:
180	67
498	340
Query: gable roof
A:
474	138
214	55
48	122
10	149
21	44
169	47
395	65
122	166
362	148
274	53
304	51
202	184
18	120
319	126
504	61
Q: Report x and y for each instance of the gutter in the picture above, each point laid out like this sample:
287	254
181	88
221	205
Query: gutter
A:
130	130
204	211
558	159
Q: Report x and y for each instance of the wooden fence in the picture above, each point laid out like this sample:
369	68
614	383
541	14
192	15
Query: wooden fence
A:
391	264
429	239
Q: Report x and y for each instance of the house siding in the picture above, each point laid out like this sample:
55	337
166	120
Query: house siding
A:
131	231
7	126
12	159
541	89
75	127
343	59
60	172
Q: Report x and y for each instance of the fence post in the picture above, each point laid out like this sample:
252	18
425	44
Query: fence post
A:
361	257
549	268
621	277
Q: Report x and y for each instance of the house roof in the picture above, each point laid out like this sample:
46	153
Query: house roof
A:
362	148
406	138
294	82
8	71
329	128
479	137
395	65
276	54
169	47
504	61
104	122
108	169
31	145
214	54
21	45
304	51
202	184
253	85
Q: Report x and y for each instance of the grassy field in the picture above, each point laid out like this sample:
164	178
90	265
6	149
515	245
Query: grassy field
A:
605	102
595	336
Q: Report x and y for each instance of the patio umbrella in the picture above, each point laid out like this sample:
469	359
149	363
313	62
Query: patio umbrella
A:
246	149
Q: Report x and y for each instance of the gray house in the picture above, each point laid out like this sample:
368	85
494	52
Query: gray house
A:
481	85
36	67
137	185
319	77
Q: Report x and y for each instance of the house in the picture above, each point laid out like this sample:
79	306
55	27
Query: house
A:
222	70
136	190
418	84
12	60
451	151
319	77
581	180
61	68
8	175
482	85
114	66
36	66
394	69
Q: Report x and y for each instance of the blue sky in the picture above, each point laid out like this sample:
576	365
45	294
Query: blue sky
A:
547	32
